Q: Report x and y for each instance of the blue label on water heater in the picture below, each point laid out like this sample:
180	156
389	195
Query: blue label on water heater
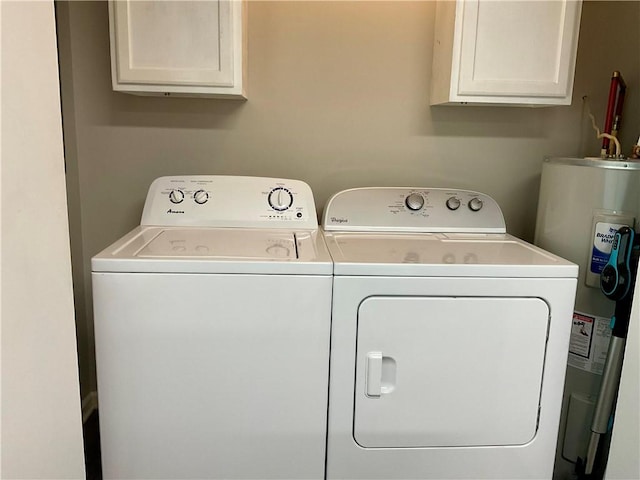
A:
602	241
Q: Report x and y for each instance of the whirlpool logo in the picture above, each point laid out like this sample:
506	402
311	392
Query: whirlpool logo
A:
339	220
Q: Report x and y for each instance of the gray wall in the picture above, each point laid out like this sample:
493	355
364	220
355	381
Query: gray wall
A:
338	97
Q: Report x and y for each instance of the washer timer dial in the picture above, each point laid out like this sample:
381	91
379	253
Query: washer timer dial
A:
280	199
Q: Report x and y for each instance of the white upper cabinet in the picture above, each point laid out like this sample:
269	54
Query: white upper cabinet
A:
185	48
514	52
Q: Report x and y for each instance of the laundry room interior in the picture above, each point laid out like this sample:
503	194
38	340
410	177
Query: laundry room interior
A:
337	96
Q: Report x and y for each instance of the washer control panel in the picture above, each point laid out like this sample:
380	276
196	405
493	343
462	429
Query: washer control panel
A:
229	201
401	209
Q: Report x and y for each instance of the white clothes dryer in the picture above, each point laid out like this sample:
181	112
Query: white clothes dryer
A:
449	339
212	324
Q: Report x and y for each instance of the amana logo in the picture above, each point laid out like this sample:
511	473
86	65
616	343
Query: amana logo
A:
175	211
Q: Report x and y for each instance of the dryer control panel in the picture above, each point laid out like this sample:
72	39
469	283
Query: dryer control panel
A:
229	201
405	209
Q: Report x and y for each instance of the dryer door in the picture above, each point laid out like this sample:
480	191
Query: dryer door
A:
449	371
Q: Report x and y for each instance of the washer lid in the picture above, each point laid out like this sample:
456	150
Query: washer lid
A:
439	254
215	250
198	243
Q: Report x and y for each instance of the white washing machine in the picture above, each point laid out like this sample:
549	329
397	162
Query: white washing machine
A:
212	324
449	339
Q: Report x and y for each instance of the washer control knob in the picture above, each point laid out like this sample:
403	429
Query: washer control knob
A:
200	197
280	199
414	202
475	204
176	196
453	203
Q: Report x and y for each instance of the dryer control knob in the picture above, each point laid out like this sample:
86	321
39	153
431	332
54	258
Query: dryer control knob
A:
414	202
200	197
453	203
280	199
176	196
475	204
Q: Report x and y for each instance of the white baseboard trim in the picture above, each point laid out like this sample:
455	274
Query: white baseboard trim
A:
89	405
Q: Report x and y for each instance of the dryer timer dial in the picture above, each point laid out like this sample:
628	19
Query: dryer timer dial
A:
414	202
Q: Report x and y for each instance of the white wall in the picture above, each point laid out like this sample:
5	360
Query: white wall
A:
624	456
41	418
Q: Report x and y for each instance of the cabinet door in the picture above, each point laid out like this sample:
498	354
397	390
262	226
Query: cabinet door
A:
176	46
521	48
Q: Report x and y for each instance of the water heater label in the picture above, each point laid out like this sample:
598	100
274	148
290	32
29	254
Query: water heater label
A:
603	236
589	342
604	225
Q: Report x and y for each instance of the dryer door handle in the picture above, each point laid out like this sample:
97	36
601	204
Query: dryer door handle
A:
380	375
373	374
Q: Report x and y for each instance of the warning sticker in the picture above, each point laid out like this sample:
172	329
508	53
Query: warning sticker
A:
589	342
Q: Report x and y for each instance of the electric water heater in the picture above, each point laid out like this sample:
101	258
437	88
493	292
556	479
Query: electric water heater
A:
582	203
